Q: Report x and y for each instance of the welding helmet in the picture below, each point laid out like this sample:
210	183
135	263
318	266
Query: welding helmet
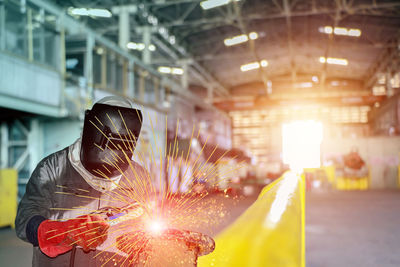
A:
110	132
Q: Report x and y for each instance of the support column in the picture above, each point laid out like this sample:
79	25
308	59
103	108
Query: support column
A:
104	70
89	68
30	34
146	54
2	26
131	79
124	28
141	85
389	87
41	35
156	83
210	94
35	144
124	23
61	62
184	79
4	145
125	76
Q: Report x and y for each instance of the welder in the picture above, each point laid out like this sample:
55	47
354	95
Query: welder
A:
55	213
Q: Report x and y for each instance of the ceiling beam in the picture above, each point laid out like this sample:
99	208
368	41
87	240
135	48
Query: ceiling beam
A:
353	10
384	63
265	103
287	11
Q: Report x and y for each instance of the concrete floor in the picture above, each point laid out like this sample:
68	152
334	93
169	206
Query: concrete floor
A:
342	229
353	229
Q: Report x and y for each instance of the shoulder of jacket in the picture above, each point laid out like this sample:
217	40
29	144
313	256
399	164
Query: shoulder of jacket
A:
54	158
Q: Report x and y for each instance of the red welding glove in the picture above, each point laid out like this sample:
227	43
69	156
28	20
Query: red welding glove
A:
56	237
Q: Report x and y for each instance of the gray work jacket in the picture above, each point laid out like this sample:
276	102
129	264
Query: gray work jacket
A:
55	174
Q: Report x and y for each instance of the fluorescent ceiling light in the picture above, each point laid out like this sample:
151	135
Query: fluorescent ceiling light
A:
341	31
253	35
164	69
264	63
332	60
354	32
96	12
93	12
303	85
177	71
78	11
208	4
240	39
169	70
140	46
236	40
254	65
152	48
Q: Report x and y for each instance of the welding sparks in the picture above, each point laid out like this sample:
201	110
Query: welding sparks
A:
156	227
143	202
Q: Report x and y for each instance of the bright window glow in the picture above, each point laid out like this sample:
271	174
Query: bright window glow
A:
335	61
93	12
254	65
208	4
301	141
340	31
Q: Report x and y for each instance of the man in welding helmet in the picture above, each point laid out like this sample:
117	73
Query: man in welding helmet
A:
59	211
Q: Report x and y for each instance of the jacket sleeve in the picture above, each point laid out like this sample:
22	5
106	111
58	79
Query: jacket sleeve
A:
35	205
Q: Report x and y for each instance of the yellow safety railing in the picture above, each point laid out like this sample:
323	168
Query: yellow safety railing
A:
398	176
268	233
8	196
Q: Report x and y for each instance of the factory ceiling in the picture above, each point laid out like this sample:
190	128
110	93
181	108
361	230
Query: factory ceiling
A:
267	58
291	37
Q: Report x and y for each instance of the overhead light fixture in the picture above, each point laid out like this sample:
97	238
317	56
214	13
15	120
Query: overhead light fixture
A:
335	61
140	46
208	4
169	70
152	48
254	65
303	85
240	39
177	71
340	31
100	50
92	12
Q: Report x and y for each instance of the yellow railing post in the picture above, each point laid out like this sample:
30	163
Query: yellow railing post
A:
8	196
269	233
